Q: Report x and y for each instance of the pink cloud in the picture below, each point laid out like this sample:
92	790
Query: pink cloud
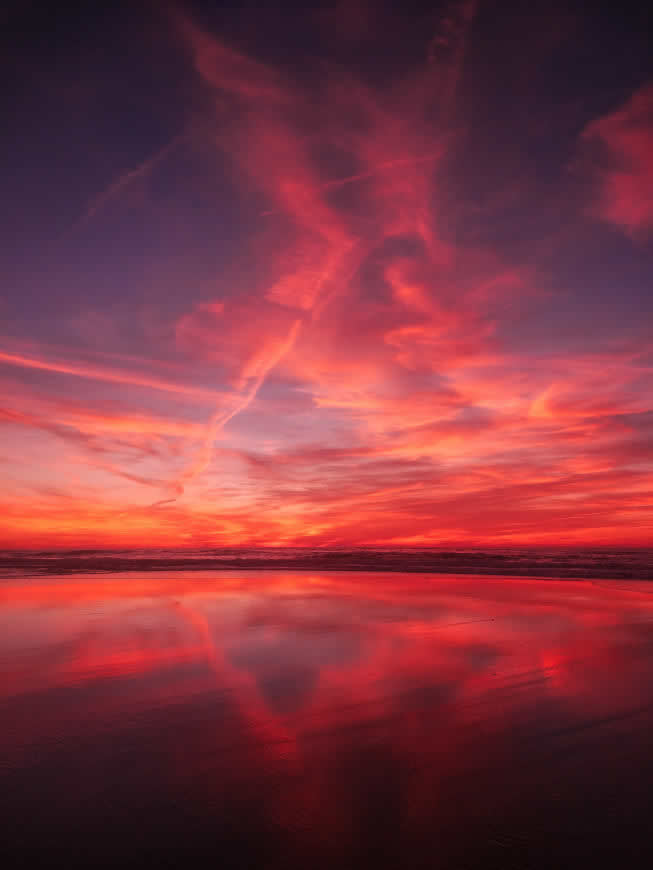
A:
357	385
623	168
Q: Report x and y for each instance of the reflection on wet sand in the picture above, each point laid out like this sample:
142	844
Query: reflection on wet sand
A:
281	719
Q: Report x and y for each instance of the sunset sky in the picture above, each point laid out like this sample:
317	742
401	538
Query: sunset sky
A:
353	274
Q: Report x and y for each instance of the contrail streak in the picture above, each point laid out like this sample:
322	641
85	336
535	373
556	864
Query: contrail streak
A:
126	179
221	417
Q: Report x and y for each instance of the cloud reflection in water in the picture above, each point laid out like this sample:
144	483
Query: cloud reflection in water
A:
282	717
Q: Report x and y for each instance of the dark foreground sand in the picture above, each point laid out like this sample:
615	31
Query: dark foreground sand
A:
312	719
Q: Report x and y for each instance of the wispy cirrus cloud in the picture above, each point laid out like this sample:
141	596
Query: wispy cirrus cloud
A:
344	364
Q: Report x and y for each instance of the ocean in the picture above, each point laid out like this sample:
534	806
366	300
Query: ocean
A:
599	563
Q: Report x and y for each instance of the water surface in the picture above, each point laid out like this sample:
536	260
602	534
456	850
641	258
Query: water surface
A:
324	719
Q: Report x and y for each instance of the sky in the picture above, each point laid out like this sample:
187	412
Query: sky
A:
347	274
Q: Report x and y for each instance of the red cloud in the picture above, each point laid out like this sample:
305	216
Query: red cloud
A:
624	162
357	384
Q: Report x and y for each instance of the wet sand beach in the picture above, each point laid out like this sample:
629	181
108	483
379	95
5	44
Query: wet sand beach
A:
287	719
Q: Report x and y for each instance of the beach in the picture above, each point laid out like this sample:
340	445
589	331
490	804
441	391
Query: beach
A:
287	718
